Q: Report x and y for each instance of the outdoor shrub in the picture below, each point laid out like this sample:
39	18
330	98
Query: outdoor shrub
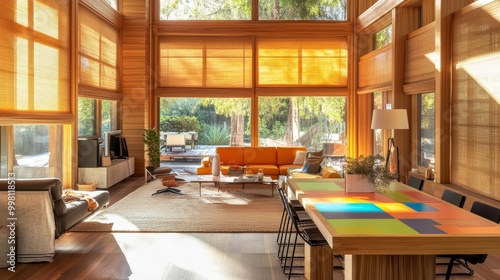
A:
215	135
179	124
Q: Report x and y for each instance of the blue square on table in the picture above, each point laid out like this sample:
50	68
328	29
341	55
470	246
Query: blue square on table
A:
420	207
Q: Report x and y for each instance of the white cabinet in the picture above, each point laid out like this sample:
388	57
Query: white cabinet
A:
107	176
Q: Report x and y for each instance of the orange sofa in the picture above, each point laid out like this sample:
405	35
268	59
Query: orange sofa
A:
274	161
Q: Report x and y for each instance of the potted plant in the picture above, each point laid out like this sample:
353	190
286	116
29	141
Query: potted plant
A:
366	174
152	140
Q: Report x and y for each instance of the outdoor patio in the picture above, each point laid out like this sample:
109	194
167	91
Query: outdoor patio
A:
187	160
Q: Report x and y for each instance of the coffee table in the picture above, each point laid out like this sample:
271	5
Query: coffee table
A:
227	180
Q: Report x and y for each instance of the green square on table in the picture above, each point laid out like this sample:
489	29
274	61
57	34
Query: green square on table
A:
370	226
319	186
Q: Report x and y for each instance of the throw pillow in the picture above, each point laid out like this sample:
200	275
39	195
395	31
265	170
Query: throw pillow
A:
312	165
315	154
300	157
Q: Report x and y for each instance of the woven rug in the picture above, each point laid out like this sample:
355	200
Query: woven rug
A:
230	210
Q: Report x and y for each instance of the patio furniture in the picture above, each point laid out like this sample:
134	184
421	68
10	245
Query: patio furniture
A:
175	141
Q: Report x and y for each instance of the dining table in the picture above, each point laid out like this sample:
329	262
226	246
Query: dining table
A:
392	233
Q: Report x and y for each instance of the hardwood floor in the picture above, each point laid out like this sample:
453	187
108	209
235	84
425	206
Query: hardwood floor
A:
104	255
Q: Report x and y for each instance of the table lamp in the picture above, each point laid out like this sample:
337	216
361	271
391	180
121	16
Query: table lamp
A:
391	119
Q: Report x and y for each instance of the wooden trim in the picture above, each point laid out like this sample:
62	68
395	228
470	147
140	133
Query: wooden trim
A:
377	11
404	21
98	93
37	118
251	28
373	88
300	91
203	92
425	86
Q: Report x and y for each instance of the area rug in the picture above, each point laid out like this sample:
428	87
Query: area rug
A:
231	210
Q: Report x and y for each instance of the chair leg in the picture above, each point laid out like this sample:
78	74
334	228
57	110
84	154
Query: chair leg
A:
293	254
280	230
452	263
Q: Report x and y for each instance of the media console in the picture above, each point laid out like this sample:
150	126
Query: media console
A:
107	176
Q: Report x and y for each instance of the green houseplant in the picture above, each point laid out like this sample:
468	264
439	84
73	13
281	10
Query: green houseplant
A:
152	141
368	169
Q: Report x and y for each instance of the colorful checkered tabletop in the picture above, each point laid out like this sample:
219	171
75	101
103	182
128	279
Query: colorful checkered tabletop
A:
397	211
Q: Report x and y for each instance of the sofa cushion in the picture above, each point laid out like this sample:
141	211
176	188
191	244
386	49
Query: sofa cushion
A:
287	155
300	157
230	155
268	170
77	210
259	156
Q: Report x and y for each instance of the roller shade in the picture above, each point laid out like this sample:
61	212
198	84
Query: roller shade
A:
34	61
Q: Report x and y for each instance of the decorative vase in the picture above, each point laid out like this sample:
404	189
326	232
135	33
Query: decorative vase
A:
216	165
358	183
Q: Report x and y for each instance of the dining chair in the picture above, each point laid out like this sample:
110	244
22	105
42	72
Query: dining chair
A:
293	210
416	183
488	212
453	198
307	231
284	216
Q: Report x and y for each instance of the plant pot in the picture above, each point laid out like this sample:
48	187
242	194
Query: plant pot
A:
358	183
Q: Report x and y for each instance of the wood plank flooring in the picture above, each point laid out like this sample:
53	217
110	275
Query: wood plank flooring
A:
97	255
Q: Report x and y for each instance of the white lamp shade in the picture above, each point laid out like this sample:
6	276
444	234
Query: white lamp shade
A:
390	119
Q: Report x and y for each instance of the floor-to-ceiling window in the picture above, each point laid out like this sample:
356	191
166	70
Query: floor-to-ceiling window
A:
35	107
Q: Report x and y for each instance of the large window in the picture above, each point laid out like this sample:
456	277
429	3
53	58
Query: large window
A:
383	37
378	104
216	121
303	10
37	151
426	132
242	9
303	121
96	116
35	78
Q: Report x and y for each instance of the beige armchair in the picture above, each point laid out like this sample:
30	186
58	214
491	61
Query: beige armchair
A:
175	141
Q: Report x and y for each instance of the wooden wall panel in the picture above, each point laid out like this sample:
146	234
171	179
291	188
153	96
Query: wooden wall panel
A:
136	77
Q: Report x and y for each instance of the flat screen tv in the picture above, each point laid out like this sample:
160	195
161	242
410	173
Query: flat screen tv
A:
115	145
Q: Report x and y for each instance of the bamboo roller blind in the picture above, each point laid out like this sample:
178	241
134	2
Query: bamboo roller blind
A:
302	61
98	52
227	62
475	135
375	70
420	72
213	62
34	59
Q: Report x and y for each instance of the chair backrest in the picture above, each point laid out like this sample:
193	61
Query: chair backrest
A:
486	211
416	183
453	198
